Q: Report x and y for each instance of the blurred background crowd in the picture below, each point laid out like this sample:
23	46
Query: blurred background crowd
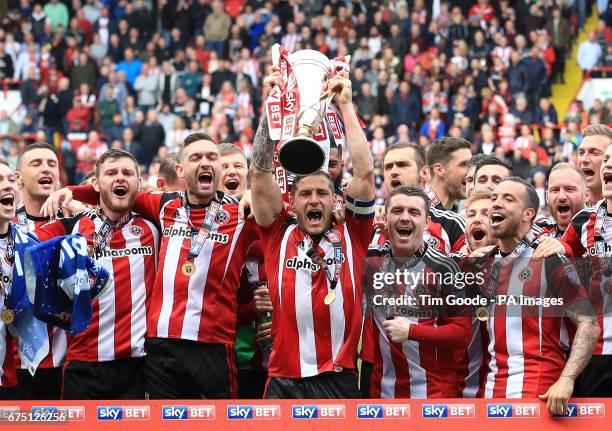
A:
140	75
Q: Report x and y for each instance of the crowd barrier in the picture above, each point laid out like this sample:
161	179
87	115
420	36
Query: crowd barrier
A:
299	415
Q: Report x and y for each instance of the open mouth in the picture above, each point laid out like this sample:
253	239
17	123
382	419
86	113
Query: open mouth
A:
314	216
563	208
403	232
607	178
396	183
8	200
205	178
45	181
478	234
120	191
497	218
232	185
588	172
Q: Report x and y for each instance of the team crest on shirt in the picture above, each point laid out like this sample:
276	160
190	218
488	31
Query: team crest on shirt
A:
433	242
525	275
136	230
222	217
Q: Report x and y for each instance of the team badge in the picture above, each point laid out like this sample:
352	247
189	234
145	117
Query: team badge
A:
525	274
433	242
136	230
222	216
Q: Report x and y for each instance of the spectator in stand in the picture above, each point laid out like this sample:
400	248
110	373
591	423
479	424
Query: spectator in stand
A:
8	128
406	106
83	71
521	111
487	144
536	77
57	13
29	95
167	85
191	80
108	108
589	53
6	63
28	60
146	88
559	30
79	116
151	137
88	154
367	103
130	65
132	146
216	29
546	114
434	128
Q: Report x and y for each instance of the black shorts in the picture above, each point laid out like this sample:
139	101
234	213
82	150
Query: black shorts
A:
365	379
595	381
252	383
331	385
45	384
120	379
179	369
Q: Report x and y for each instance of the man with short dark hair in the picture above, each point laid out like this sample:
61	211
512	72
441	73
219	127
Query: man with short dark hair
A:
312	266
490	172
105	361
527	358
448	160
414	345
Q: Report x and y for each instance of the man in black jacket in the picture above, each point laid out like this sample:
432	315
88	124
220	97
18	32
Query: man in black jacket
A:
151	137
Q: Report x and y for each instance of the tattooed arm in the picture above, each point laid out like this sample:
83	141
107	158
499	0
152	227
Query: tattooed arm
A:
267	202
587	332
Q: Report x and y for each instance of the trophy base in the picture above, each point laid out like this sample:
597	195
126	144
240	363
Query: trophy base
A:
302	156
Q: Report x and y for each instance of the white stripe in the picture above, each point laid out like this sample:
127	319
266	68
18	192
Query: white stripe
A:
59	347
493	370
138	324
195	290
281	262
336	308
169	273
305	323
387	385
2	348
514	333
418	375
475	349
235	238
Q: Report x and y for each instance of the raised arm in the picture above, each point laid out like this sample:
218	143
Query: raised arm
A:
361	186
267	201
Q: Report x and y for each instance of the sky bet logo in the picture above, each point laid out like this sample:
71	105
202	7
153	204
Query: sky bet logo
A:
331	411
118	413
449	411
195	412
584	410
513	410
253	412
379	411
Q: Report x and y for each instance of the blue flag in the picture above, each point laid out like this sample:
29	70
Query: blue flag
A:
62	281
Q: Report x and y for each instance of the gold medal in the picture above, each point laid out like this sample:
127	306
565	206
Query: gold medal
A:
8	316
188	269
330	297
482	314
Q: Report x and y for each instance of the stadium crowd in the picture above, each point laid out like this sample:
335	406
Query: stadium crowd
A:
140	75
207	297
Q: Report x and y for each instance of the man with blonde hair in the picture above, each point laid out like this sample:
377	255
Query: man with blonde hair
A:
596	139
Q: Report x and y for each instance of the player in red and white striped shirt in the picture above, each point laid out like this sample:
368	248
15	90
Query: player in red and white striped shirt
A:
414	354
527	357
105	361
313	267
38	176
192	315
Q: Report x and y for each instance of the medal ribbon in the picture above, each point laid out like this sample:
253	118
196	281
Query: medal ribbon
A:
410	263
334	239
103	237
198	239
10	257
505	261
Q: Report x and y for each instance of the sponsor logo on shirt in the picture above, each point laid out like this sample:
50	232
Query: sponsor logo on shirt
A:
448	411
305	263
253	412
513	411
191	412
144	250
118	413
380	411
186	233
